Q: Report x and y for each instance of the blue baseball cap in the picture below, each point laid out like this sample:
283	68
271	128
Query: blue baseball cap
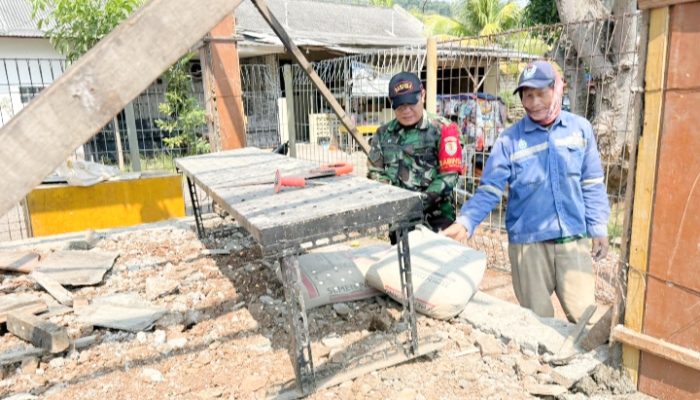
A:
404	88
538	74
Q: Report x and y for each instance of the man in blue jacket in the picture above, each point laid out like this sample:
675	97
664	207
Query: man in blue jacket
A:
558	209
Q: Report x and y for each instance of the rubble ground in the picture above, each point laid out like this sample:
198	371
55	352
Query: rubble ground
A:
225	335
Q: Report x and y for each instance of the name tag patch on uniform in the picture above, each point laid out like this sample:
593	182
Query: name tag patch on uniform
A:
522	144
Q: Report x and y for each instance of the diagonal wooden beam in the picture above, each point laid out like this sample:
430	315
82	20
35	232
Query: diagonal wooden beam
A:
97	87
261	5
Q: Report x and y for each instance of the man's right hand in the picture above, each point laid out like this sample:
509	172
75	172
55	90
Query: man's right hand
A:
457	232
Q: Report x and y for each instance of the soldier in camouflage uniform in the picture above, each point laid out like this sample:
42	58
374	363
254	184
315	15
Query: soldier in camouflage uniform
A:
404	152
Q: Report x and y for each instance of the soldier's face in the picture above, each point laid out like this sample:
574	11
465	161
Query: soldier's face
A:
410	114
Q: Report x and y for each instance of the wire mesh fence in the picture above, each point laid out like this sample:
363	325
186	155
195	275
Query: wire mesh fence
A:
359	83
23	79
599	63
475	80
153	151
598	60
261	92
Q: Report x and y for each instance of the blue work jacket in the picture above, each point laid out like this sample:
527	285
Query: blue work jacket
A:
556	183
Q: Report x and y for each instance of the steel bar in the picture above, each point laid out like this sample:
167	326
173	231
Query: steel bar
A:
409	309
300	343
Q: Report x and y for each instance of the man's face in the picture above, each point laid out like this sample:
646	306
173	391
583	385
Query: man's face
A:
537	102
410	114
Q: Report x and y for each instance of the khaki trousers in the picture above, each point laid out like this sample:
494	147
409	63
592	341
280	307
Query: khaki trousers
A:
541	268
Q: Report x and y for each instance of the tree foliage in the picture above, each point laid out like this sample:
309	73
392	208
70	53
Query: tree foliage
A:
488	17
382	3
426	6
74	26
436	25
540	12
185	115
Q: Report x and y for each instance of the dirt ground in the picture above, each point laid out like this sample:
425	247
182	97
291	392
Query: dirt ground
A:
225	335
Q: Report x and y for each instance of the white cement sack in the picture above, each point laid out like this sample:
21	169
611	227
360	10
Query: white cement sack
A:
338	276
445	274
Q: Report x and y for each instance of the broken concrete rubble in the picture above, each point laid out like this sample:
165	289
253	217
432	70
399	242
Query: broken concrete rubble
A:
124	311
77	268
512	322
226	315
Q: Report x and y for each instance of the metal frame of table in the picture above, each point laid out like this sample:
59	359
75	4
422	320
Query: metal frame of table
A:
362	210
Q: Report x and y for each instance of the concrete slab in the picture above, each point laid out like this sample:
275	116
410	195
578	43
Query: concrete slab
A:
18	261
77	268
512	322
125	311
580	367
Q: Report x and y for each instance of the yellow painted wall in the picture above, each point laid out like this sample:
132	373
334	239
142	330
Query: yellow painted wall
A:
57	209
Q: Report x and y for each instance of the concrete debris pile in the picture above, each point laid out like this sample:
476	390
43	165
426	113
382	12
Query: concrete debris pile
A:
172	316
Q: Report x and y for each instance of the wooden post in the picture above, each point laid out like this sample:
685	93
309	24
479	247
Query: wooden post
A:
118	143
431	76
645	181
40	333
618	307
289	94
97	86
55	289
261	5
226	72
132	137
210	96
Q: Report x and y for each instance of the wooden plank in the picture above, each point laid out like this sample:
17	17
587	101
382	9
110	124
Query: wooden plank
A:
26	302
352	373
298	56
568	346
16	356
657	51
658	347
18	261
616	314
600	332
289	95
97	87
53	288
33	308
650	4
41	333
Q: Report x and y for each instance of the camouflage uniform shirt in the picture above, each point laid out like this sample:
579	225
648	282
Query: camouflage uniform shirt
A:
408	158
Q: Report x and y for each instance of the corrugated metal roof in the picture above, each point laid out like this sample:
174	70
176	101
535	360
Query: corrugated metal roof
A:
335	23
16	19
318	21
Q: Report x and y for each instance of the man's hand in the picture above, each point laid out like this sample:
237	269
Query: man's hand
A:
456	231
600	248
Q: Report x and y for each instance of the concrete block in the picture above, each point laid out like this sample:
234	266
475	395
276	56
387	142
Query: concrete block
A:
513	322
580	367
